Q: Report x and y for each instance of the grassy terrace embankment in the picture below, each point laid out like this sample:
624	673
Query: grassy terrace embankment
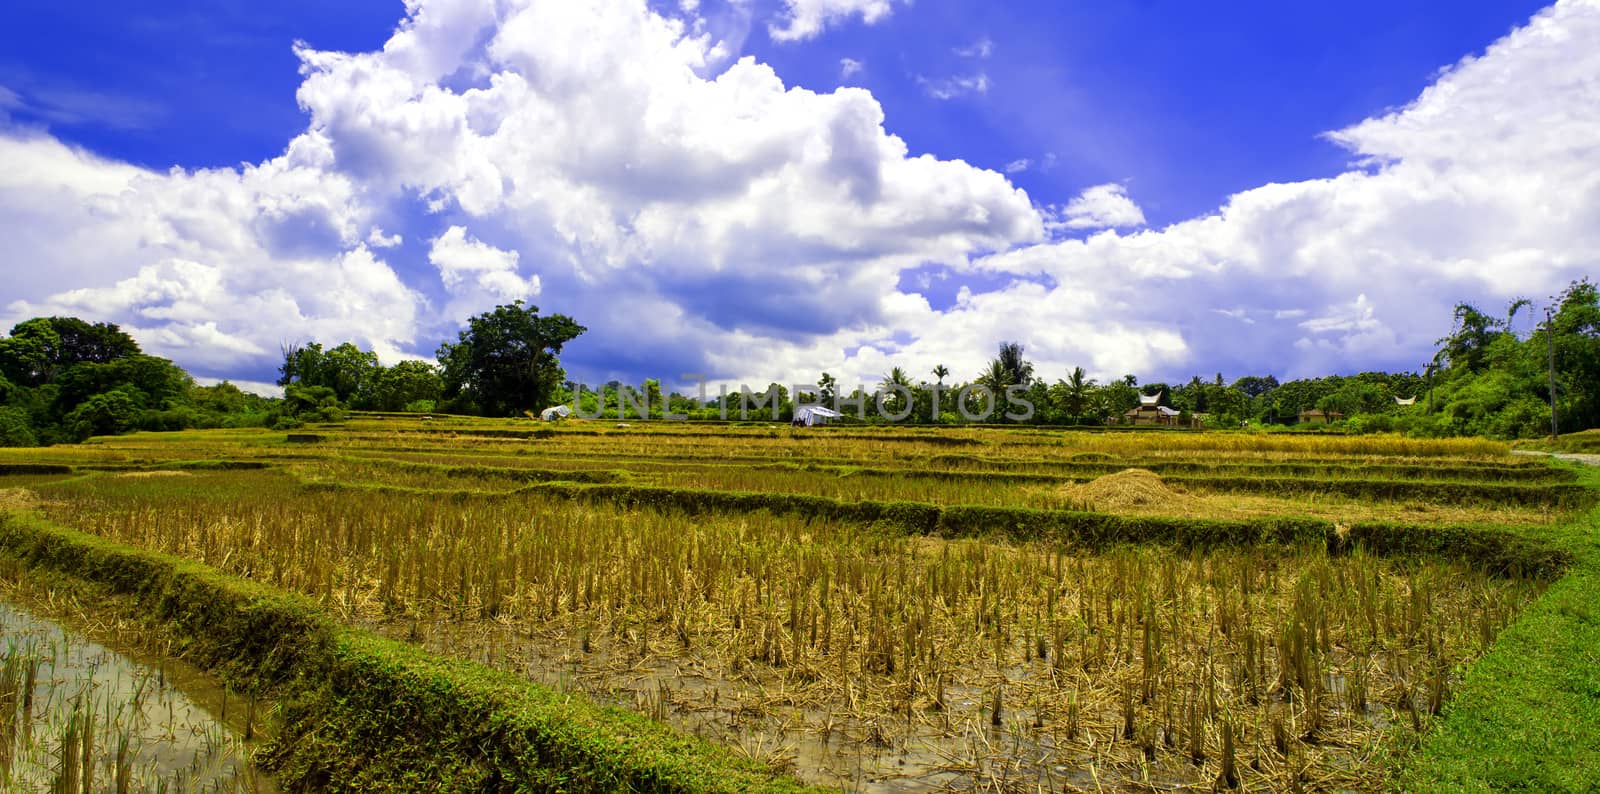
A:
1527	715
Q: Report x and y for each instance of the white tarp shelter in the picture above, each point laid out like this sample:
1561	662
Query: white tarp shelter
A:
809	415
555	412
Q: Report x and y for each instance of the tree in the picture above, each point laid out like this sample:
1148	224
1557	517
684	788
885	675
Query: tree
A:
1072	395
827	389
152	382
25	356
506	362
1466	345
1019	370
103	415
1118	397
1577	352
302	403
349	371
406	383
1254	386
940	372
40	349
15	429
82	342
346	369
1228	405
996	378
895	402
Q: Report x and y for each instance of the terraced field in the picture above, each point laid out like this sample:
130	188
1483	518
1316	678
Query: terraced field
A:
891	609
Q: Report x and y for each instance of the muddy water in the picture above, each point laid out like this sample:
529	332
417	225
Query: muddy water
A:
125	723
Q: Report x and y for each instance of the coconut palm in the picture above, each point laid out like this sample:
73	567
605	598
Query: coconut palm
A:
939	372
1078	388
896	377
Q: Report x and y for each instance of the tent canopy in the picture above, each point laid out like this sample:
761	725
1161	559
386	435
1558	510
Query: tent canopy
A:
809	415
555	412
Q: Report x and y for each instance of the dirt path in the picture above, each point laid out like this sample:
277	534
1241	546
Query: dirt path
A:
1592	460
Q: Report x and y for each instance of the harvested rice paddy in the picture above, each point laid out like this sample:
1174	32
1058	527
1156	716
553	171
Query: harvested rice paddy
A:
907	610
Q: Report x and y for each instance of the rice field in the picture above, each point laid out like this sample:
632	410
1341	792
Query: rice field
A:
854	654
76	715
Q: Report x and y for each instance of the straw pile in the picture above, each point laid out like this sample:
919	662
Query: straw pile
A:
1129	488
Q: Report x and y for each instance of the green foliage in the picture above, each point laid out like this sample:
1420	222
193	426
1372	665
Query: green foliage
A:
152	382
68	379
40	349
505	362
346	369
1017	370
15	429
394	388
303	403
103	414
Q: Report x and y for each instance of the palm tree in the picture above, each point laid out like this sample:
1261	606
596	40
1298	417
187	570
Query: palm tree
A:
996	378
896	377
939	371
1079	385
1019	369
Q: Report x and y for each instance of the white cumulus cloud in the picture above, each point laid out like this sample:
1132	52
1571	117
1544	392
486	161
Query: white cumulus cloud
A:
700	215
804	19
470	267
1101	207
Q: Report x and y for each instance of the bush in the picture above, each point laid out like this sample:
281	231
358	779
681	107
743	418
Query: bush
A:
174	419
103	414
15	430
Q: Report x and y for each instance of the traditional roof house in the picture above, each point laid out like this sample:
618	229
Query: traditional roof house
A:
1148	413
1317	416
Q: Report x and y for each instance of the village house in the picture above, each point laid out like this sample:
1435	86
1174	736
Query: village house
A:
1150	412
1317	416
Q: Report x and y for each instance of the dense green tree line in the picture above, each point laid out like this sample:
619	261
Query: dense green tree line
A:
504	363
63	380
1485	379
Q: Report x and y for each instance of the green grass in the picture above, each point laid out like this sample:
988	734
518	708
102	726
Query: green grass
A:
1586	442
1527	715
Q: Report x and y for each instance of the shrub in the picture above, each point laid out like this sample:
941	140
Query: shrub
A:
15	430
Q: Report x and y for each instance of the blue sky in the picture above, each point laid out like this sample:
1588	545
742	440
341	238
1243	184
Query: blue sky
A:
1186	101
687	242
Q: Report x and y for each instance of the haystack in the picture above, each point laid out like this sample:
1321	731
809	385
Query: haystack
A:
1128	488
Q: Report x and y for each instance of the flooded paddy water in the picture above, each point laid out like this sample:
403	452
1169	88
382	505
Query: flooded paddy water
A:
76	715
